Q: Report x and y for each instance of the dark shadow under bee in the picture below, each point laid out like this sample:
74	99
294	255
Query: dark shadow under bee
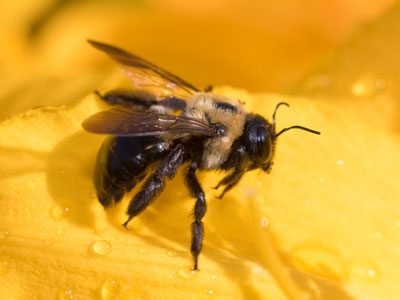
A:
165	123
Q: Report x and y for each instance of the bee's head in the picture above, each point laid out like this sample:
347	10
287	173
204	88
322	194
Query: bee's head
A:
260	138
259	142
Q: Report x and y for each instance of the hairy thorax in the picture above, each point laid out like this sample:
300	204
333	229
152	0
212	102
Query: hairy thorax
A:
217	110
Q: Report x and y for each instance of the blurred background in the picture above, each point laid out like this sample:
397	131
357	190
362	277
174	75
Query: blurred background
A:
261	46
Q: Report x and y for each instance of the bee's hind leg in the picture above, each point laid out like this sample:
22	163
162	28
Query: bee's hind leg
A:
155	183
198	213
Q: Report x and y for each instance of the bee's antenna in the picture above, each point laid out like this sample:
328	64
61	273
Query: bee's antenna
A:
276	108
298	127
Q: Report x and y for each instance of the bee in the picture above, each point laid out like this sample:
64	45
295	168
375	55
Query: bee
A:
165	123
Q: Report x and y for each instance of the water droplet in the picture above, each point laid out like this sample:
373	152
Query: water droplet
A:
33	184
264	222
368	86
58	212
4	266
65	295
380	84
109	289
340	162
318	82
291	180
250	192
210	292
187	274
364	269
318	258
257	269
38	271
213	276
171	253
323	81
101	247
3	233
359	88
260	199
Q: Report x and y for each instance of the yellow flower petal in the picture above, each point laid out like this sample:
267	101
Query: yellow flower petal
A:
323	224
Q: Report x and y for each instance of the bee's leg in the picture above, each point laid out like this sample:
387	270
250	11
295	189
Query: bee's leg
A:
155	183
231	184
199	212
230	181
236	162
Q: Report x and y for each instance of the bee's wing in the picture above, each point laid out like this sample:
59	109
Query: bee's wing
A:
154	82
127	122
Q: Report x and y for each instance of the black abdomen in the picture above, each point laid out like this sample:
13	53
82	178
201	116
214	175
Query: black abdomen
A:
121	163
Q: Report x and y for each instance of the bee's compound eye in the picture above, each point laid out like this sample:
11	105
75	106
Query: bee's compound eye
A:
263	143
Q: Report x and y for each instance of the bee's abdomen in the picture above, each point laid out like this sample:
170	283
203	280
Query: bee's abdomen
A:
121	163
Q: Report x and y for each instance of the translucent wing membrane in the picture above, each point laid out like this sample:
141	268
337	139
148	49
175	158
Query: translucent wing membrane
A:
152	81
125	122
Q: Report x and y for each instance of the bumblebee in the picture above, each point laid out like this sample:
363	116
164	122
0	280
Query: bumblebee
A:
165	123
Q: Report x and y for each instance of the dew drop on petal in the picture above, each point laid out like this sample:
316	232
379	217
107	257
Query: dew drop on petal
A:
101	247
364	269
65	295
58	212
380	84
358	88
109	289
250	192
3	233
187	274
171	253
257	269
264	222
4	266
210	292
